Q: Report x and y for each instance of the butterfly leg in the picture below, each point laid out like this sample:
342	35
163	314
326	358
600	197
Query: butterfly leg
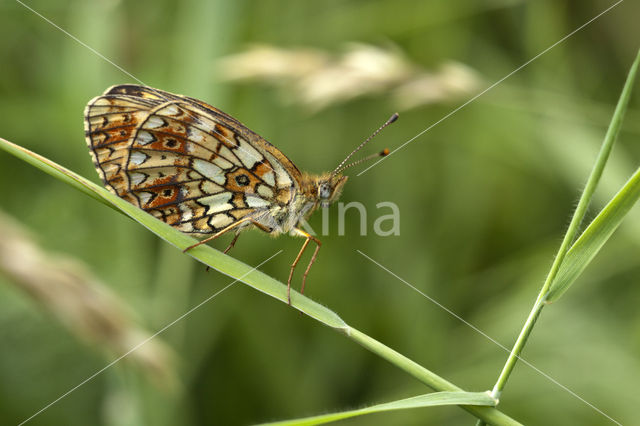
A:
313	259
217	234
232	243
309	238
229	247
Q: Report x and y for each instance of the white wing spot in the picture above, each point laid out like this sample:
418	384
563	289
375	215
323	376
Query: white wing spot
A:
265	191
217	203
220	220
154	122
256	202
144	137
138	157
170	110
137	178
144	197
209	170
247	154
269	178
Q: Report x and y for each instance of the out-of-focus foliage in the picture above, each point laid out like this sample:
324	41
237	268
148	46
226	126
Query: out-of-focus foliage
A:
484	199
312	78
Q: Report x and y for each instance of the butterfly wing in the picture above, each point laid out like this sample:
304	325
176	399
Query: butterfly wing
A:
183	161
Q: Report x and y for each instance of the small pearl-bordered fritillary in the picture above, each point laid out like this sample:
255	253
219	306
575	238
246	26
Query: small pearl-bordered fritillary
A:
202	171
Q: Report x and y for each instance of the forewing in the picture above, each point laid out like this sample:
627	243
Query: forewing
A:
182	160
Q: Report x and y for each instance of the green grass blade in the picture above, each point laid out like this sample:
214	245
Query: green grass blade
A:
594	237
250	276
428	400
55	170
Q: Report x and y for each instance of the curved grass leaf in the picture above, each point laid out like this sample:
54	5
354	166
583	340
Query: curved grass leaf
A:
428	400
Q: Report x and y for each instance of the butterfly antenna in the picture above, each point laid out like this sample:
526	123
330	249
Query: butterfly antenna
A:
340	167
382	153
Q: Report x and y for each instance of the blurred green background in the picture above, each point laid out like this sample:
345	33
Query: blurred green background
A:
484	198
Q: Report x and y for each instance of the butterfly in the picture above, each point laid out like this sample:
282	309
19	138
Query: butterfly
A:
202	171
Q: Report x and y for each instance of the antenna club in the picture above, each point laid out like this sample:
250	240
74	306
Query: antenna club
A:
342	166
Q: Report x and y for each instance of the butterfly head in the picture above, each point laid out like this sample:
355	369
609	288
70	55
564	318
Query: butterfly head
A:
329	188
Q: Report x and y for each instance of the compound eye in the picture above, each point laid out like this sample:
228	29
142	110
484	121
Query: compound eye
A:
324	191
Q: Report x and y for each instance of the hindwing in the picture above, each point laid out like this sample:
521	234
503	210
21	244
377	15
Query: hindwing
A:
183	161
